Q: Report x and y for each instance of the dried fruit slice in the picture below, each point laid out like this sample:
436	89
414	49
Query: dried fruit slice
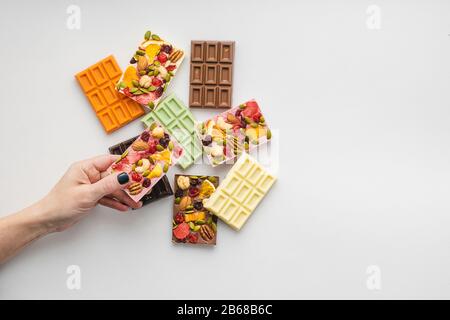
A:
152	51
164	155
182	231
206	189
198	215
130	75
254	134
252	111
156	172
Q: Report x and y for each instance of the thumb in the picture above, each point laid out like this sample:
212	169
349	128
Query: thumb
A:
109	184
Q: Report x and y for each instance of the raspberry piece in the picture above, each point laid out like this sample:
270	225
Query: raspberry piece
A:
136	176
179	218
192	238
156	82
162	58
151	147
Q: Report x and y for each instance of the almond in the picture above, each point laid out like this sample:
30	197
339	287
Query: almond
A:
142	63
140	145
185	202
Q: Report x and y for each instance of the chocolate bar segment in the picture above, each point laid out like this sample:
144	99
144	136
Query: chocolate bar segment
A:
211	78
113	110
160	190
192	222
245	185
180	122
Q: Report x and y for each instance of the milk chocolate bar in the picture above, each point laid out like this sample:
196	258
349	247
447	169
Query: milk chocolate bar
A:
211	77
192	222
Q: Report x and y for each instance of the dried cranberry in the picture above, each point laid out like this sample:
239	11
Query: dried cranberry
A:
192	238
136	176
145	136
171	67
179	218
198	205
179	193
207	140
159	92
164	142
166	48
146	183
193	192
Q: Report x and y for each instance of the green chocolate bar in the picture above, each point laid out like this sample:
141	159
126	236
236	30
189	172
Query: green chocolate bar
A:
179	121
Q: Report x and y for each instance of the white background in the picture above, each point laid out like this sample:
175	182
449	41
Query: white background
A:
364	159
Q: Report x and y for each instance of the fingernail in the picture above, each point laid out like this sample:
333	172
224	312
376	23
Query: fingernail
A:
123	178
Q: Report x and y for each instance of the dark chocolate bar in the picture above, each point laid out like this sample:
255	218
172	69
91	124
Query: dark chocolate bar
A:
211	78
160	190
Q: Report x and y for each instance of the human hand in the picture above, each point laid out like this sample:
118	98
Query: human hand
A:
83	186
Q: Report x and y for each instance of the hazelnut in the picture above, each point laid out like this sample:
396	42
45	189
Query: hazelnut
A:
217	151
158	133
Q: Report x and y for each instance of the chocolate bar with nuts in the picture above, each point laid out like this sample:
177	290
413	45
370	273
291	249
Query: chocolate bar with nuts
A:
192	222
160	190
211	78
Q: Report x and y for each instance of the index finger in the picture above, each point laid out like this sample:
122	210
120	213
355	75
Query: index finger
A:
101	163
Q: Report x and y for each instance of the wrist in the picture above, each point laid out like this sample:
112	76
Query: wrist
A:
36	218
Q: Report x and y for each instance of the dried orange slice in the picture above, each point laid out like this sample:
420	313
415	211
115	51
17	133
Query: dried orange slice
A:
152	51
130	75
164	155
206	189
156	172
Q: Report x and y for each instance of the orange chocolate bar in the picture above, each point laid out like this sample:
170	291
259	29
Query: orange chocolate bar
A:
113	109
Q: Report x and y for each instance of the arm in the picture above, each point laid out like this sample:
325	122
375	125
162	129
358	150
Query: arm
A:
22	228
83	186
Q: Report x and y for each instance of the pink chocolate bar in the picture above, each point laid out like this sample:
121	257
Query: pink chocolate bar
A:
147	160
